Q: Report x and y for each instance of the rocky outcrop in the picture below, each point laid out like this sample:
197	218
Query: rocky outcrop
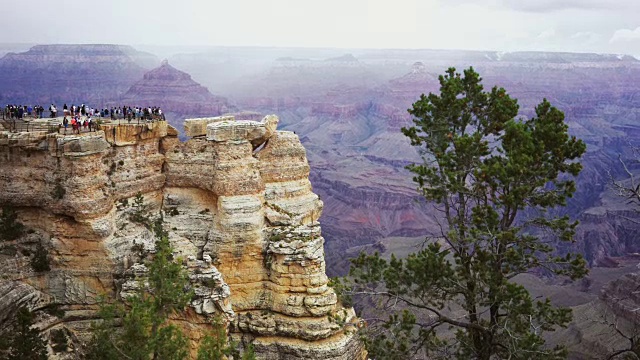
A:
239	209
623	297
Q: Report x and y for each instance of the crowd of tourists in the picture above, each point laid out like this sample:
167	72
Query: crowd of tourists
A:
12	112
78	124
21	111
114	113
77	118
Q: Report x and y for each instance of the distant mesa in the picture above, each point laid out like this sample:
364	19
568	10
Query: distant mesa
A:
71	73
561	57
289	58
82	53
343	58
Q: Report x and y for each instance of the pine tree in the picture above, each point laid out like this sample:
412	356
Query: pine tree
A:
249	353
495	181
214	346
24	342
141	330
146	332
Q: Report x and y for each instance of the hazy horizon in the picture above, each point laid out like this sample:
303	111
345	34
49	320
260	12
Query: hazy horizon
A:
172	50
584	26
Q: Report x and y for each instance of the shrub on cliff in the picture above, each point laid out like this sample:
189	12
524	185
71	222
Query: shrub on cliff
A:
146	332
140	211
494	179
141	329
24	342
10	228
214	346
40	261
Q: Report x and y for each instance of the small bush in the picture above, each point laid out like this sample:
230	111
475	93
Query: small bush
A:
249	353
173	211
342	290
10	228
40	260
122	204
277	237
112	169
58	191
137	248
59	340
53	309
140	212
9	250
210	283
24	341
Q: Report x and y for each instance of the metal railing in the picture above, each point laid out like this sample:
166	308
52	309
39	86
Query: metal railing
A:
142	118
27	126
26	123
4	115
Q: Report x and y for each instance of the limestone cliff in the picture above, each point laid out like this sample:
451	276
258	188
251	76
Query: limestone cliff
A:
239	208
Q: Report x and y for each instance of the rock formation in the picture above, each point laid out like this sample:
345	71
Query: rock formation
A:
239	210
175	92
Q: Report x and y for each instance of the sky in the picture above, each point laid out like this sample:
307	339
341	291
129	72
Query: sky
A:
601	26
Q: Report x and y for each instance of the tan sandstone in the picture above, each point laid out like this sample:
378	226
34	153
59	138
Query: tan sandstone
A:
239	209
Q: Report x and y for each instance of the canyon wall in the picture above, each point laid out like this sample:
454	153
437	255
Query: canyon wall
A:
241	216
72	74
351	128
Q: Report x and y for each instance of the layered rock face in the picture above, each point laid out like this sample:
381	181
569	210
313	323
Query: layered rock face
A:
175	92
239	209
89	74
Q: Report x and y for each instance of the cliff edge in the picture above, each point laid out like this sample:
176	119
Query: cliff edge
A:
241	215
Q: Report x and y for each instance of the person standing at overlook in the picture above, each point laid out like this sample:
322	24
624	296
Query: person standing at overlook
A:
65	124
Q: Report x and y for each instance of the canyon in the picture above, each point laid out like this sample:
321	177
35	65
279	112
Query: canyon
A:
349	114
347	107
